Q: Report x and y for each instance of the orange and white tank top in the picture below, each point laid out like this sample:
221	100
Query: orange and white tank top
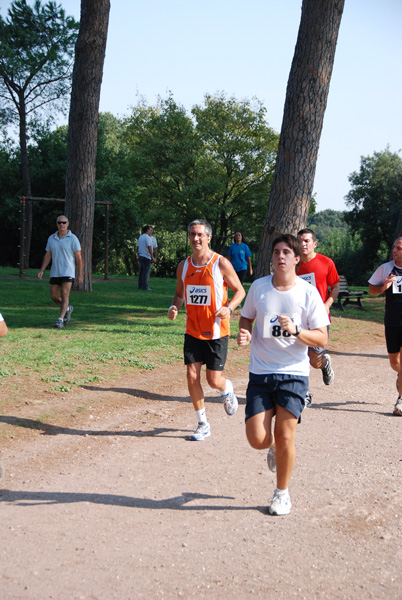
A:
205	292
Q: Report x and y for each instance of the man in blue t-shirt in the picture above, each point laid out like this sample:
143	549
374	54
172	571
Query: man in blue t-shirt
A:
64	250
240	256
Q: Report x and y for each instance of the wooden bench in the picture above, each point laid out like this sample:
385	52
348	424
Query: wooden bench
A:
345	296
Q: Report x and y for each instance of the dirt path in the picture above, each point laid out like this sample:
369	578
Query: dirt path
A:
116	504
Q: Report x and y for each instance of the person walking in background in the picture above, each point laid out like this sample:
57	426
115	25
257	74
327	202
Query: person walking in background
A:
240	256
145	257
64	250
154	244
288	316
388	278
320	271
202	281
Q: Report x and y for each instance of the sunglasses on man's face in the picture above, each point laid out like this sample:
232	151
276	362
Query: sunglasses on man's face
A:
62	222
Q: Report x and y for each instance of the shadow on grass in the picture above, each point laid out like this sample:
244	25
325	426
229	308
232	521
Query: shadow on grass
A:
26	498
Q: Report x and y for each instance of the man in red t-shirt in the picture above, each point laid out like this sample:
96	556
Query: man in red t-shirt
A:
320	271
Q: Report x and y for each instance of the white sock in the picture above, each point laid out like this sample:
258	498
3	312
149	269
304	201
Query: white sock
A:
201	416
228	388
282	492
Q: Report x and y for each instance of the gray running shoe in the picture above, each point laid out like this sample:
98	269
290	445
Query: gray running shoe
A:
67	316
398	407
202	432
59	323
230	402
280	504
328	374
308	399
271	459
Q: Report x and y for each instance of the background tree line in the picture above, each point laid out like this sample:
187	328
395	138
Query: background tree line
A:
163	166
159	165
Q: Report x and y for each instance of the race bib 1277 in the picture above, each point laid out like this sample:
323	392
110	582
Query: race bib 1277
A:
199	295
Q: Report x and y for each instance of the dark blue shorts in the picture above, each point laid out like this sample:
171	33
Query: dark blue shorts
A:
264	391
212	353
393	338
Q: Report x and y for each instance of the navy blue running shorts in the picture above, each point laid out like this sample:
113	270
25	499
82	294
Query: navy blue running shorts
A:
212	353
264	391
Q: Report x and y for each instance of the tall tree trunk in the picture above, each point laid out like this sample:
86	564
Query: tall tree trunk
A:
26	183
305	104
83	127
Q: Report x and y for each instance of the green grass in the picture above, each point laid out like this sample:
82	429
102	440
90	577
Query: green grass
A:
114	329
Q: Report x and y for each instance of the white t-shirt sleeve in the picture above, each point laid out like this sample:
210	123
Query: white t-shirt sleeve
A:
249	308
379	275
1	317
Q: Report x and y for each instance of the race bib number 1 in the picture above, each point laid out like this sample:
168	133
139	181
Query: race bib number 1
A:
272	328
199	295
397	286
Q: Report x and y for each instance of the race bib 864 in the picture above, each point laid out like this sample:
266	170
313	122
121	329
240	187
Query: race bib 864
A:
272	328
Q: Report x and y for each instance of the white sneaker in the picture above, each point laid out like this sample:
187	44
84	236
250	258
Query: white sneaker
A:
67	316
230	402
271	459
398	407
202	432
308	400
280	504
59	323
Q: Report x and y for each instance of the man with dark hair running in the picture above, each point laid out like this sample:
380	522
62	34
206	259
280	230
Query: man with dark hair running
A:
320	271
388	278
281	317
202	281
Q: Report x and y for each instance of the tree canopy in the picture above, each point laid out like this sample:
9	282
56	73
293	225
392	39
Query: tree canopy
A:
375	201
217	162
36	56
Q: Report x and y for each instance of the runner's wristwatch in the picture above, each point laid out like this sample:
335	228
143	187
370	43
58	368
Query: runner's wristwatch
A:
298	330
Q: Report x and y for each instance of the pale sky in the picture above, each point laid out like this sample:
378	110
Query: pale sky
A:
246	49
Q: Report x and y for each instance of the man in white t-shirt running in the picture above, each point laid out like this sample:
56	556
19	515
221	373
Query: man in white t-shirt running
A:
288	316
